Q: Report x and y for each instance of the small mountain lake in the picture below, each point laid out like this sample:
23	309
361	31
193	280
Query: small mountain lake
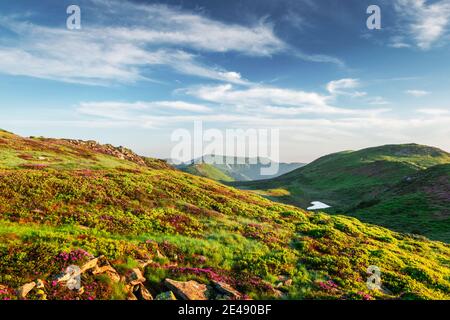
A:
316	205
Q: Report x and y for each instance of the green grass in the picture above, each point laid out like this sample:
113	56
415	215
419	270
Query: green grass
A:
418	205
208	171
195	228
240	236
347	180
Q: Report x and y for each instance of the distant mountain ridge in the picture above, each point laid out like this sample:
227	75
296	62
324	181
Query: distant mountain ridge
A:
228	169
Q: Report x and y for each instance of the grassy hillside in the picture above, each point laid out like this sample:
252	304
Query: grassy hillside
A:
188	227
65	154
227	169
418	204
346	179
207	171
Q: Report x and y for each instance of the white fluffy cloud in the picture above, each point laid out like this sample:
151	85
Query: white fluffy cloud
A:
343	86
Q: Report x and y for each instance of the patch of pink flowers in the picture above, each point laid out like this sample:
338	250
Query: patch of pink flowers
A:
327	285
199	271
74	255
365	296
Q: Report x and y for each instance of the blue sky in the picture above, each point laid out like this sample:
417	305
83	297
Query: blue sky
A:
138	70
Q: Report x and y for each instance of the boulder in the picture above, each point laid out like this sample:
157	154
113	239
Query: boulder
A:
131	296
25	289
278	294
135	277
141	292
189	290
227	290
144	263
107	269
89	265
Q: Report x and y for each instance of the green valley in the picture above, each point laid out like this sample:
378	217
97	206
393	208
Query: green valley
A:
393	186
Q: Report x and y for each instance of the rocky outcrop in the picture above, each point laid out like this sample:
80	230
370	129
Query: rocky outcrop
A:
135	277
189	290
227	290
118	152
104	267
23	291
141	292
133	282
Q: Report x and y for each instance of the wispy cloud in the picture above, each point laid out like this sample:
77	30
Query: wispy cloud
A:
99	54
425	21
122	110
164	25
343	86
124	40
417	93
322	58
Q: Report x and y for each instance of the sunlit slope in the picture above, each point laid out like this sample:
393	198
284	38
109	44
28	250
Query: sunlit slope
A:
37	152
203	231
345	180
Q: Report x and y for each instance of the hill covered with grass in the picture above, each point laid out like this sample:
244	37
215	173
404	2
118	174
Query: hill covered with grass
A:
419	203
356	179
227	169
156	226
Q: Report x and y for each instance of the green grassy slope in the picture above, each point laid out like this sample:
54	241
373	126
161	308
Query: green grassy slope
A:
62	154
195	228
344	180
208	171
419	204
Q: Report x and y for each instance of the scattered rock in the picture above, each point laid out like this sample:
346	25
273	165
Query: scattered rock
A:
226	289
135	277
40	284
131	296
278	294
284	281
144	263
104	267
159	255
118	152
190	290
89	265
25	289
166	296
141	292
